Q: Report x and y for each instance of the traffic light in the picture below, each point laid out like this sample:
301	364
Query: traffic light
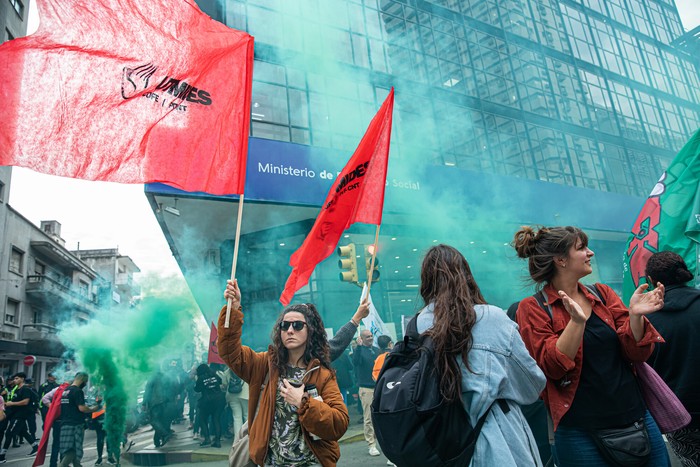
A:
347	263
371	272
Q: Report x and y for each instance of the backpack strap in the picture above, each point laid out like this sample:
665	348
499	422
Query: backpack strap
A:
596	291
412	330
541	298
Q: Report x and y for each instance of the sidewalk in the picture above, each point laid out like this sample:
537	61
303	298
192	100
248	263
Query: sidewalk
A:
183	448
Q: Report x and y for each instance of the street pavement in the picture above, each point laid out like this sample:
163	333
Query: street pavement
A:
183	449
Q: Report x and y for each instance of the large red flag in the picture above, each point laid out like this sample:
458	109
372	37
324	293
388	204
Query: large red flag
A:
213	355
357	195
129	91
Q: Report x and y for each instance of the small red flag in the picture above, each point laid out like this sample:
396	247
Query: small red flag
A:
129	91
213	356
357	195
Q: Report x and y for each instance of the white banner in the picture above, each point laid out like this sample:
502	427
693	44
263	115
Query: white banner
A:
373	322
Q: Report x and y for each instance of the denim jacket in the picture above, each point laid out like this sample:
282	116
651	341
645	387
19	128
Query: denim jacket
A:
501	369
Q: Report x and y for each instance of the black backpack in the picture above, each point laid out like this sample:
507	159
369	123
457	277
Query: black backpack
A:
235	384
414	425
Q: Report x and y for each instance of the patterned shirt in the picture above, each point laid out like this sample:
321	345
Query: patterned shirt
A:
287	445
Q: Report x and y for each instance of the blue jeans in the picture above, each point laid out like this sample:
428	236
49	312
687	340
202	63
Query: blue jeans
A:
574	447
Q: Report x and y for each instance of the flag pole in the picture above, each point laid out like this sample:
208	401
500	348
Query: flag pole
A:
370	272
235	257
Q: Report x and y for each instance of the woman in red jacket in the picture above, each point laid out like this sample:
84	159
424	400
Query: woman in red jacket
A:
301	413
583	342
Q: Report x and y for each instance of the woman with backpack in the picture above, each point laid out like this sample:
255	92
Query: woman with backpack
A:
583	339
300	412
480	358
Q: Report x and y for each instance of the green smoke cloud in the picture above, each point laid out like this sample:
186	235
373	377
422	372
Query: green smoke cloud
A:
120	346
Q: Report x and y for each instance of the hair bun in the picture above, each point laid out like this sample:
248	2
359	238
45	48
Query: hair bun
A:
524	242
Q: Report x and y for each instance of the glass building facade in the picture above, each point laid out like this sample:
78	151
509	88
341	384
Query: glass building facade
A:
574	102
584	93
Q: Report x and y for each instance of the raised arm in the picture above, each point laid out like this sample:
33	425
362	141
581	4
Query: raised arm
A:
242	360
344	336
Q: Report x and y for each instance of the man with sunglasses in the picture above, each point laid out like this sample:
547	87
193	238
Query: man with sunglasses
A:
363	359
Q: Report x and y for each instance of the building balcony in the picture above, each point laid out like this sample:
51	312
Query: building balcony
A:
39	332
49	293
124	279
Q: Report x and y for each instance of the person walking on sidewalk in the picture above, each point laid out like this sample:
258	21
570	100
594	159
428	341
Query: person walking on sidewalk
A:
19	412
363	360
73	410
301	414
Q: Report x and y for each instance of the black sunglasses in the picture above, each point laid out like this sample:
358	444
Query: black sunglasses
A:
297	325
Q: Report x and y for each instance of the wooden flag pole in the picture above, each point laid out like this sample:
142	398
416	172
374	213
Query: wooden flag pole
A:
235	256
370	272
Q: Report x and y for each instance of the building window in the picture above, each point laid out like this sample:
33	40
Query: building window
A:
39	268
16	261
18	7
84	288
8	35
12	312
2	192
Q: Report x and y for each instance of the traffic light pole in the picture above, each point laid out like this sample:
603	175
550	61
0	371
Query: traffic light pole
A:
374	255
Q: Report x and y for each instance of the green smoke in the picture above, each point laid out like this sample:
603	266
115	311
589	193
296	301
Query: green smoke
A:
121	346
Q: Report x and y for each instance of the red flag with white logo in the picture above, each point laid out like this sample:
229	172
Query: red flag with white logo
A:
357	195
129	91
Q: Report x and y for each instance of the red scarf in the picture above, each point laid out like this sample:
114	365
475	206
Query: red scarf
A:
53	413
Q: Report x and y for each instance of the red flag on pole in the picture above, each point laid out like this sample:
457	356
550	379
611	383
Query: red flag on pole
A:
357	195
213	355
129	91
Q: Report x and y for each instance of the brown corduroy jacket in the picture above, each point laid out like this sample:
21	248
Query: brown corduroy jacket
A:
327	420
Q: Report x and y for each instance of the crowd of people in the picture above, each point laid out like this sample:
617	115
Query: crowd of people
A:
551	382
559	369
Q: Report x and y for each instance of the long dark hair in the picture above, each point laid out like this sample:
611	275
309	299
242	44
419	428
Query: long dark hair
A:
316	342
448	283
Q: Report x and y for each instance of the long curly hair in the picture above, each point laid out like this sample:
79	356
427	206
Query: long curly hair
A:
316	341
448	283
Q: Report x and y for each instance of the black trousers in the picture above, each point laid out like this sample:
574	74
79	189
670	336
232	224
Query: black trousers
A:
17	427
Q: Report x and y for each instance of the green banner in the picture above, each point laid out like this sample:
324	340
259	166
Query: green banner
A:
669	219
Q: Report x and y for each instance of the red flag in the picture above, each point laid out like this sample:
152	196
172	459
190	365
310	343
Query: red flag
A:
51	416
129	91
213	356
357	195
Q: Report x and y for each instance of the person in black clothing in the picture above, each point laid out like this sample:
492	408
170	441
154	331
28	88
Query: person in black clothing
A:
678	359
49	385
73	410
33	407
363	360
178	378
19	411
210	405
158	401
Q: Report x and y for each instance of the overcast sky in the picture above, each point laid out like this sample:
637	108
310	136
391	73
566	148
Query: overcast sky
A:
109	215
